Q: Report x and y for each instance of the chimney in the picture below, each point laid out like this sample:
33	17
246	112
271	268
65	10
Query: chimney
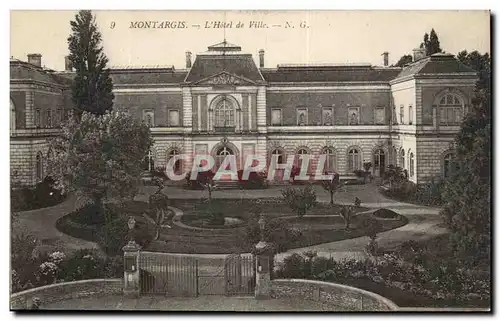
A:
418	53
188	59
261	58
67	64
35	59
386	58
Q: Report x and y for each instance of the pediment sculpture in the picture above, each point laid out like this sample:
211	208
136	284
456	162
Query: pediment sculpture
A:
223	79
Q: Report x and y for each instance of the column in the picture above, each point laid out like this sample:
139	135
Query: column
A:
261	110
263	270
187	109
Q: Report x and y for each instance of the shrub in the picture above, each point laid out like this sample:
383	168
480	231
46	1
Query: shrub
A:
294	267
299	200
276	231
255	180
385	213
83	264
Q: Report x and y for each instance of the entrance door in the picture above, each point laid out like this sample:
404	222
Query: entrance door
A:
379	162
219	159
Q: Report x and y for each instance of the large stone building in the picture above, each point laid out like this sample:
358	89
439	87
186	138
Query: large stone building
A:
224	103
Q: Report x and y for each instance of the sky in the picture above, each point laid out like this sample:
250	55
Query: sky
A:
325	36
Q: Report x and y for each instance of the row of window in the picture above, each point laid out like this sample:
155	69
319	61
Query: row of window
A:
148	116
402	114
450	106
53	117
327	116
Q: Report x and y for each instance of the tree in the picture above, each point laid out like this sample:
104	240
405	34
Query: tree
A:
92	86
332	185
99	157
347	212
404	60
431	43
467	192
158	206
299	200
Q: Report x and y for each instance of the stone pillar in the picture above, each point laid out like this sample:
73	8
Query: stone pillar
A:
263	270
131	282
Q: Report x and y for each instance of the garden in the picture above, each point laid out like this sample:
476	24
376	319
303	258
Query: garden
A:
226	226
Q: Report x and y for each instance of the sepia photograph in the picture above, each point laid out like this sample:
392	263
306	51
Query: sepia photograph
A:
250	161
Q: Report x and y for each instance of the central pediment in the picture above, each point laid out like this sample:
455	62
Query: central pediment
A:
224	79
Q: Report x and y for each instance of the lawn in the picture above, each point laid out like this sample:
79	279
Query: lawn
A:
315	230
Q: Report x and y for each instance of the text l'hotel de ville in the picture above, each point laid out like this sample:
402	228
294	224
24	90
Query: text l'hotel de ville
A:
212	24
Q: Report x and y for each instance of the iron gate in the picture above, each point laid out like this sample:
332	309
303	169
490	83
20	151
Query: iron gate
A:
193	275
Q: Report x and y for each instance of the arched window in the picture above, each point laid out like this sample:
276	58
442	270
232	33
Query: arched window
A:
221	155
330	161
379	161
224	114
298	163
39	166
281	155
451	110
412	165
178	163
402	158
148	164
12	116
447	164
353	160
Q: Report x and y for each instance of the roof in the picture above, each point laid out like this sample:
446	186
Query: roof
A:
26	71
241	65
147	76
329	73
438	63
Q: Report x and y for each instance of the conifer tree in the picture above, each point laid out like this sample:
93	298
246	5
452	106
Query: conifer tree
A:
92	86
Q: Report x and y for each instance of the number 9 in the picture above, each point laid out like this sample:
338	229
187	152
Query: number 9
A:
113	25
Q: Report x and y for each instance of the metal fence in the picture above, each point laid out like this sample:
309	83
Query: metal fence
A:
192	275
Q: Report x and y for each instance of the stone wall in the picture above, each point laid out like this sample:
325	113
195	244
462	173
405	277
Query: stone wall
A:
345	297
64	291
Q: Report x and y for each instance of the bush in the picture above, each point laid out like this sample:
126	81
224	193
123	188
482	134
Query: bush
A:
426	194
84	264
442	281
299	200
276	231
254	181
201	179
42	195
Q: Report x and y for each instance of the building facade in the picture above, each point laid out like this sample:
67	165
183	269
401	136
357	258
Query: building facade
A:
224	103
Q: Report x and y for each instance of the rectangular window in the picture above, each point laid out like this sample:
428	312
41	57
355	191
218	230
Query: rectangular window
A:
327	116
276	117
148	116
302	116
353	115
410	115
59	116
450	115
49	118
380	115
173	118
402	114
37	118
